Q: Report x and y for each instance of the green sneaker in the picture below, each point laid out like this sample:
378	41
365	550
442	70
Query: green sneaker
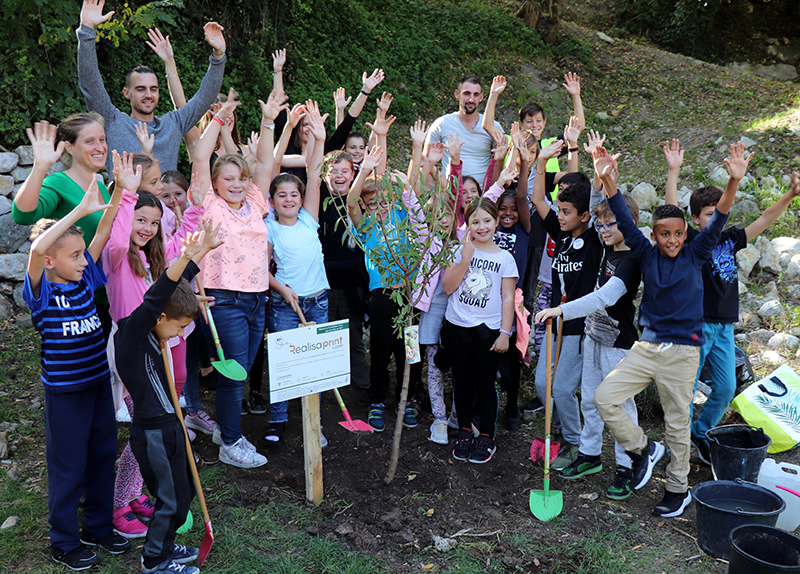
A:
622	488
566	456
582	466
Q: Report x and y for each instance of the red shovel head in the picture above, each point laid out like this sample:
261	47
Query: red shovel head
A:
206	544
354	425
537	450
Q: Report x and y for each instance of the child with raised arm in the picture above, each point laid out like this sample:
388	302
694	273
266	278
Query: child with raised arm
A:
577	253
80	426
672	332
720	291
157	437
610	333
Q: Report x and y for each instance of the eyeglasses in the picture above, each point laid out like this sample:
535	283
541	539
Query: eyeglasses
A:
604	226
373	205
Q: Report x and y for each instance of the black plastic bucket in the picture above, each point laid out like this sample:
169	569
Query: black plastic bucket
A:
758	549
722	505
737	451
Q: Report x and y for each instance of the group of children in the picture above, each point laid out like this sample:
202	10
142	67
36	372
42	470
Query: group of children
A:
336	235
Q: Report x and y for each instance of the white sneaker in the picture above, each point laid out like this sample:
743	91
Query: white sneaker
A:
239	454
250	446
216	437
123	416
452	422
182	402
439	432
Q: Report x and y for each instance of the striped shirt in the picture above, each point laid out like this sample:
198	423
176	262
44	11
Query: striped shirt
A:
73	349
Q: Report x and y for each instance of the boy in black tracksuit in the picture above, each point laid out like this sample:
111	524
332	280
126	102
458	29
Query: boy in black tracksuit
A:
157	437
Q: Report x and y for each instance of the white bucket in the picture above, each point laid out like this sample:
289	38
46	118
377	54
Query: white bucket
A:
774	474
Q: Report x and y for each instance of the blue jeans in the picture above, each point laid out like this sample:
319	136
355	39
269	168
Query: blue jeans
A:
191	390
239	318
720	350
283	318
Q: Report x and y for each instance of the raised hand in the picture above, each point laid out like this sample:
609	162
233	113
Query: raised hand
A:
160	44
124	172
43	140
341	99
453	145
93	200
195	193
214	36
252	142
270	110
278	60
546	314
209	241
436	152
501	149
315	121
369	82
498	85
551	150
385	101
508	175
192	245
297	113
595	141
401	178
468	248
572	131
572	83
373	158
795	184
382	123
673	154
92	13
603	162
418	132
737	165
229	106
146	140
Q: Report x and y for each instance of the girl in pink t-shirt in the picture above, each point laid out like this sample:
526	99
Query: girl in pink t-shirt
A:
237	274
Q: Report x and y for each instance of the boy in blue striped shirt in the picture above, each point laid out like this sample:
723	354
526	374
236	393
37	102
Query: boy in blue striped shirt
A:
79	414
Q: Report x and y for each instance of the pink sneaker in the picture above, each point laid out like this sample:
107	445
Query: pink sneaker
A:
127	525
143	507
201	422
191	434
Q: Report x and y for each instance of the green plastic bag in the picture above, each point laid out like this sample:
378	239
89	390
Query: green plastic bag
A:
773	404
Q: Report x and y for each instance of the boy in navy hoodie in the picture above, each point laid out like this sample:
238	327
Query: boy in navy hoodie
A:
672	332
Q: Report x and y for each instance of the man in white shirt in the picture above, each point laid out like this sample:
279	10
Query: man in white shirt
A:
466	122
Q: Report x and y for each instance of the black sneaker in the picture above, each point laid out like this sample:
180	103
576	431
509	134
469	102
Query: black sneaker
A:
376	417
533	405
80	558
513	421
463	447
256	403
703	452
274	434
672	504
114	543
484	449
582	466
621	489
644	463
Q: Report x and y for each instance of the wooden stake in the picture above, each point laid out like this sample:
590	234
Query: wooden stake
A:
312	448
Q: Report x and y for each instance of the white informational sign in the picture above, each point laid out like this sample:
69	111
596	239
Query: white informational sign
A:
308	360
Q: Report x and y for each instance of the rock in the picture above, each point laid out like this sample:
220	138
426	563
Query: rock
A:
344	529
788	245
782	72
11	234
9	522
786	180
606	38
771	292
771	309
5	205
3	444
25	153
784	53
719	176
741	338
16	295
25	247
684	194
21	173
601	116
792	270
747	258
761	336
57	167
12	473
645	195
783	341
747	141
645	218
6	185
8	161
12	266
772	357
443	544
25	320
742	288
768	182
744	206
404	537
6	309
770	260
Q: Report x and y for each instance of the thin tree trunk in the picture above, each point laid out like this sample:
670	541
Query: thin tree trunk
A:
401	409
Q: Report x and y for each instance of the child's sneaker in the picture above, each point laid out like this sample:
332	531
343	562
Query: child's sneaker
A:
484	449
463	447
567	454
643	464
582	466
171	567
452	421
113	543
513	420
703	452
439	432
143	507
672	504
238	454
256	403
273	436
376	417
80	558
216	437
183	554
409	418
191	434
622	487
126	524
201	422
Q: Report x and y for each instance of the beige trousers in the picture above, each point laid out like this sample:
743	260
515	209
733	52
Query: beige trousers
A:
673	369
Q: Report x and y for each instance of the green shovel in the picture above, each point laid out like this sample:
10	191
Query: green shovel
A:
547	504
226	367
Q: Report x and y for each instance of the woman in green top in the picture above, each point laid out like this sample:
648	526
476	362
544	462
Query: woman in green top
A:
81	140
